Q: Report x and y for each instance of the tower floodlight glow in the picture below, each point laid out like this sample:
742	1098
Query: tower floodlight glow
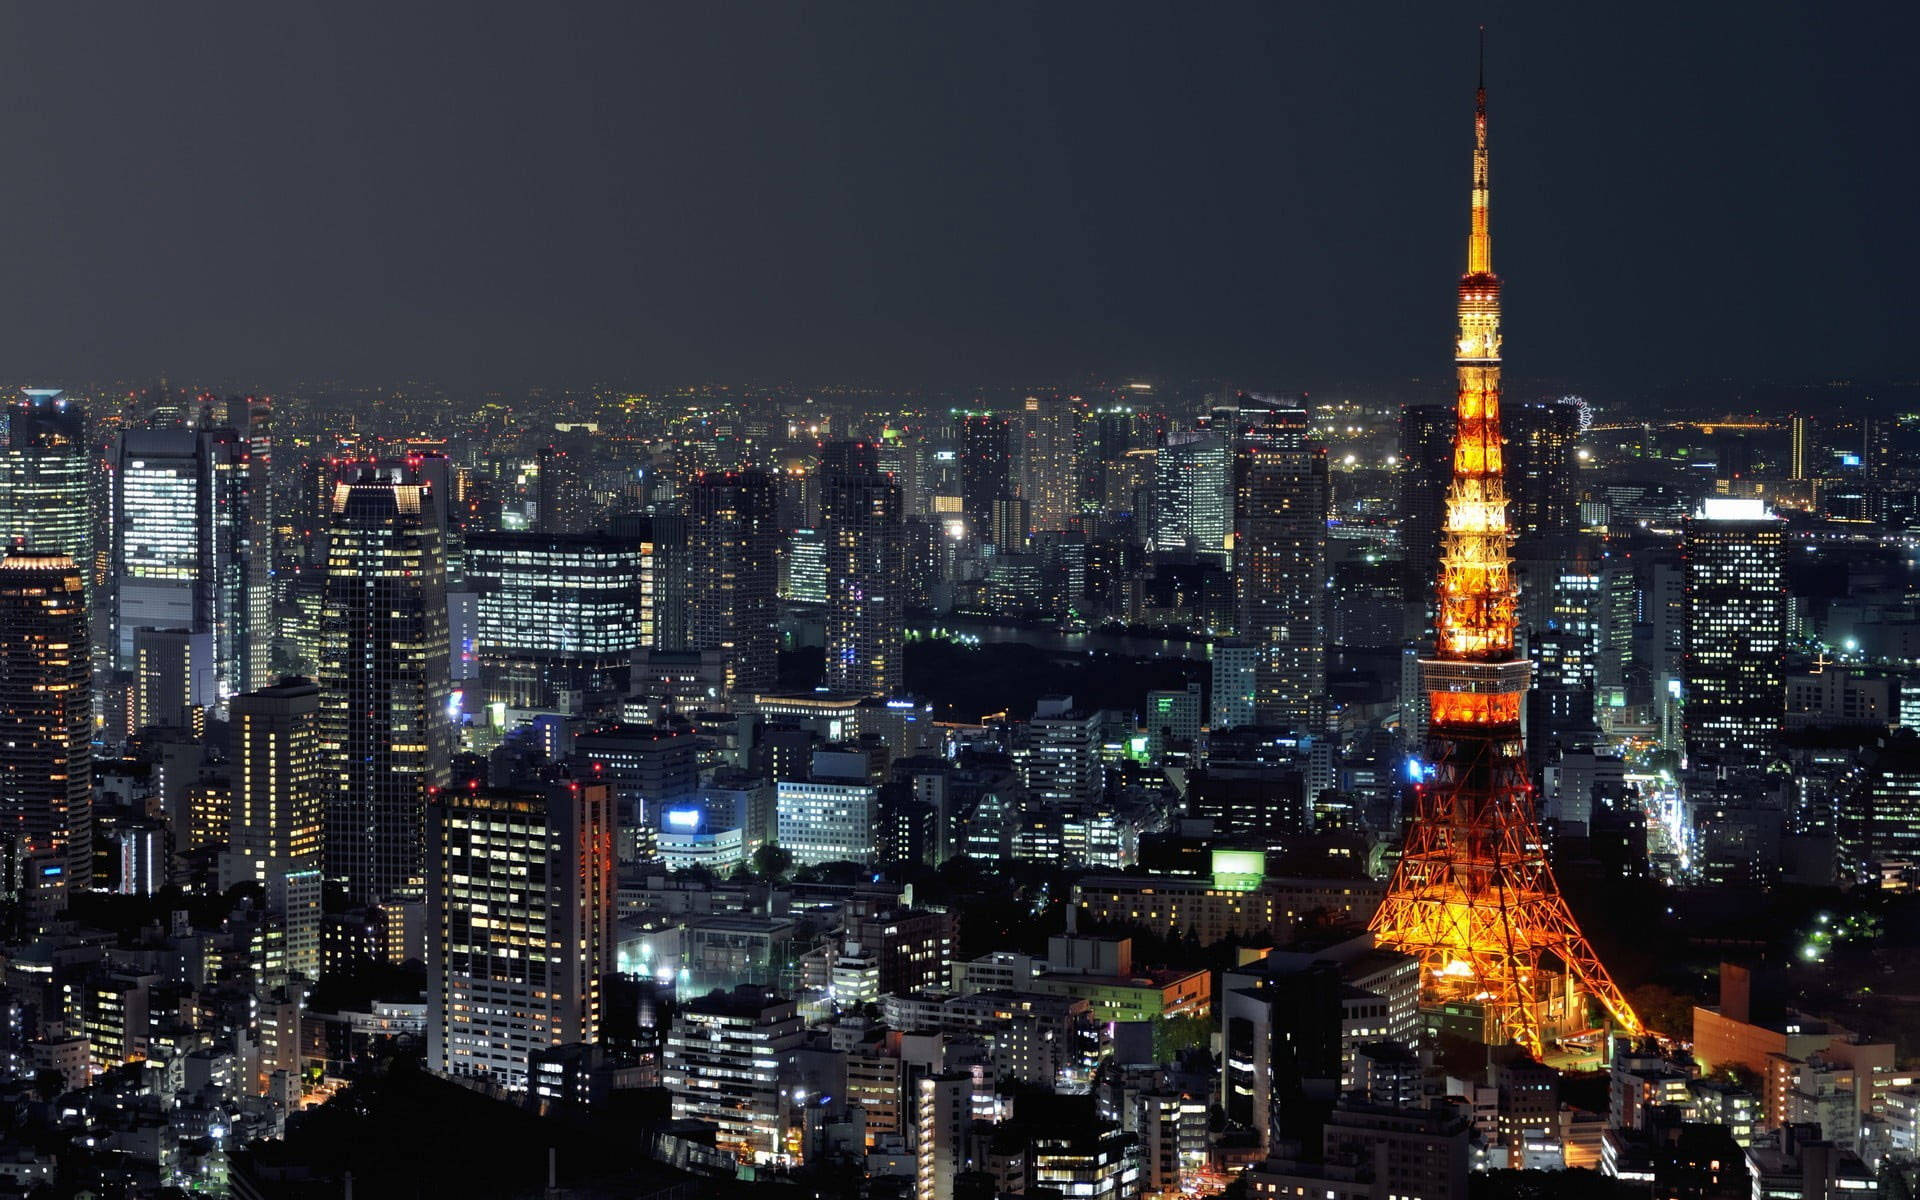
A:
1473	897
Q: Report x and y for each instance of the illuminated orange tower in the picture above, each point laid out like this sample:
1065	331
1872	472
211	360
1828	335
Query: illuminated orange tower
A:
1473	897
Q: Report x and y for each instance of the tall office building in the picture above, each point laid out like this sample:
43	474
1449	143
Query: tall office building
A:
1426	471
46	727
666	580
1800	447
1112	435
1876	822
1876	447
172	680
46	477
1050	460
520	925
860	511
557	616
1562	609
386	736
1543	478
561	501
1282	499
1736	623
251	418
733	551
191	547
803	568
1192	498
985	467
277	811
1236	673
1010	528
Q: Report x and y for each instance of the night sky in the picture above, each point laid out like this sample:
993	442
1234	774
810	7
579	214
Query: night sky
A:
950	193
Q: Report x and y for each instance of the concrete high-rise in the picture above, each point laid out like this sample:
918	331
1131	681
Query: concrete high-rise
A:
520	925
386	736
1734	669
1543	480
986	471
46	727
1192	498
1426	471
860	509
733	541
1800	447
561	501
727	1060
172	680
251	419
665	578
192	540
277	810
1561	610
1050	460
1876	447
47	477
1282	499
557	616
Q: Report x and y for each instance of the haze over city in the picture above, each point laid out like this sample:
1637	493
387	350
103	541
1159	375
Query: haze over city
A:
945	195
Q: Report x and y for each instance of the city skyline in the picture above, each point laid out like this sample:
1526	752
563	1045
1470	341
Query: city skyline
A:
1173	787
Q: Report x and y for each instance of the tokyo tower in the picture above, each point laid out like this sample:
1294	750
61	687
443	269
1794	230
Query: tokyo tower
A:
1473	897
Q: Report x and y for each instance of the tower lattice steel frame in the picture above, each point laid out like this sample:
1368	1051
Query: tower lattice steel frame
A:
1473	897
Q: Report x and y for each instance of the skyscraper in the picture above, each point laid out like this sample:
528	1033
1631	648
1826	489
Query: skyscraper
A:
1473	896
520	925
1192	498
1734	690
1800	447
1112	434
1543	484
251	418
803	568
666	580
860	509
1876	447
1050	459
1426	471
46	477
386	735
561	502
46	727
985	467
277	810
1877	818
191	544
733	541
557	616
1282	498
1562	608
172	679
